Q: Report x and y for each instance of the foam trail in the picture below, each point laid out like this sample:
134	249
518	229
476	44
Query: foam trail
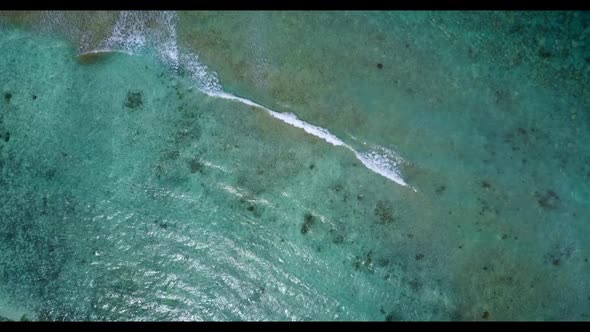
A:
288	118
131	33
205	79
128	34
382	166
378	163
169	48
135	30
292	119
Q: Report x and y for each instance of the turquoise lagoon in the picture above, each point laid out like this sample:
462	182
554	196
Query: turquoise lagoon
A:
294	166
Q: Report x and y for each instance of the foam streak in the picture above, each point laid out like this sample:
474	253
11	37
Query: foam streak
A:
131	33
374	161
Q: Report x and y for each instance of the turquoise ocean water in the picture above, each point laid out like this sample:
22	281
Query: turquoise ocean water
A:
294	166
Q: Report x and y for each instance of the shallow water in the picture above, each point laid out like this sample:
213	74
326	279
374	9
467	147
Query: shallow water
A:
294	166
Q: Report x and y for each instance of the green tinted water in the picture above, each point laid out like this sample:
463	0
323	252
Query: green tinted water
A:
131	192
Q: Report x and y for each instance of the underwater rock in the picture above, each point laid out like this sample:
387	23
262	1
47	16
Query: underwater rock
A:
162	224
559	254
384	212
366	262
7	96
5	136
440	189
369	258
337	188
548	201
308	221
195	166
134	99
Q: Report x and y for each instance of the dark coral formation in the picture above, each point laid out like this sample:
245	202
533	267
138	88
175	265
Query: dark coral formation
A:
559	254
549	200
134	99
7	96
195	165
5	136
308	221
367	261
162	224
384	212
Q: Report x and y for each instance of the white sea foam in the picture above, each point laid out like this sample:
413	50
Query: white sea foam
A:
134	30
168	49
242	193
212	165
131	33
128	33
205	79
320	132
381	160
288	118
381	165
